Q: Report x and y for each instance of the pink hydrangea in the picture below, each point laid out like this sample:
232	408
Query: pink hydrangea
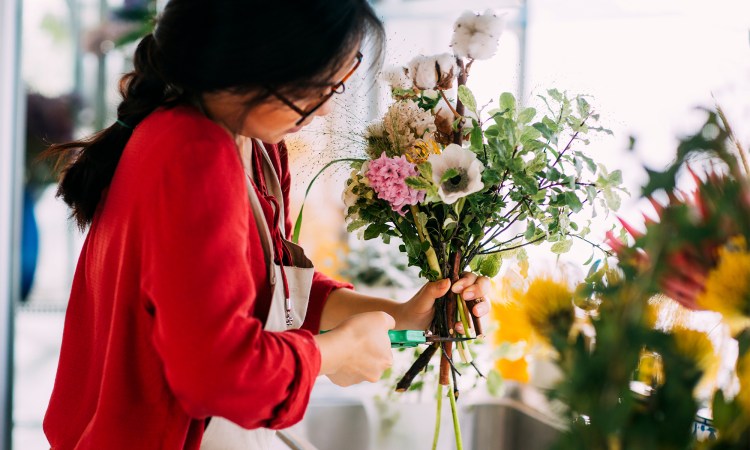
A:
387	176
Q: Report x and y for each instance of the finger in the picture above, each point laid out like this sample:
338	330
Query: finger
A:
481	309
480	289
459	328
466	280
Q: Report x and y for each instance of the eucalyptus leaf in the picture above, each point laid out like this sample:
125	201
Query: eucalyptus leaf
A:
467	98
561	247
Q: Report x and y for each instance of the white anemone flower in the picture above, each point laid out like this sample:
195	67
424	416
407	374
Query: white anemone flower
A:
398	77
476	36
468	166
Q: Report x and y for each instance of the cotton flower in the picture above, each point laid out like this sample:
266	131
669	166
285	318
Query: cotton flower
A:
398	77
476	36
387	176
469	168
433	72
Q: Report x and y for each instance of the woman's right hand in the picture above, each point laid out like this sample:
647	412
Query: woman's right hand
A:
358	349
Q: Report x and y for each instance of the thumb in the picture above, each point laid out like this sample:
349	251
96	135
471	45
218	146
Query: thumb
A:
437	289
388	321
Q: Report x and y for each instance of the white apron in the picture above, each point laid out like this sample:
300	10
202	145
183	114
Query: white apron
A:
221	434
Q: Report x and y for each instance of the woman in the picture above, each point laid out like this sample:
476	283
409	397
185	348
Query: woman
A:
189	311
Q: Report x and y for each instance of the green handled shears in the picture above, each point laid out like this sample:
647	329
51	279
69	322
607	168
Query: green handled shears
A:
412	338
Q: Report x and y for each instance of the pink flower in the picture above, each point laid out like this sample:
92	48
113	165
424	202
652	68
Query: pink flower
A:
388	176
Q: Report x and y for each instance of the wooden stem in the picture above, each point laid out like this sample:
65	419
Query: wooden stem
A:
477	323
418	366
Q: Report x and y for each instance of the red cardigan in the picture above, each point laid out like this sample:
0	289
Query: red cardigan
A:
164	326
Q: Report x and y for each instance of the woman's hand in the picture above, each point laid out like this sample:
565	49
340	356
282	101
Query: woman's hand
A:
417	313
358	349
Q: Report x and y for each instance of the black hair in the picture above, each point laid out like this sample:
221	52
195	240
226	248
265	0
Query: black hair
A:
292	46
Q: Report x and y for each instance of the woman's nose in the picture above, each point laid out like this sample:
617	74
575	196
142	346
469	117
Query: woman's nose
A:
326	109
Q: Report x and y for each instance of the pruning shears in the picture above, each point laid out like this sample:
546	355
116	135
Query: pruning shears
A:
412	338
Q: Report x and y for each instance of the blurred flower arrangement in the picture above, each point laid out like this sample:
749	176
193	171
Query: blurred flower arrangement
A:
466	186
637	384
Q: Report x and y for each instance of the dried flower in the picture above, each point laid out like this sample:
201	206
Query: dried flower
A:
405	122
421	150
476	36
387	176
468	173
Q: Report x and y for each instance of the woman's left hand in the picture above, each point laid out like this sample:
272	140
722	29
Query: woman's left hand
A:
417	313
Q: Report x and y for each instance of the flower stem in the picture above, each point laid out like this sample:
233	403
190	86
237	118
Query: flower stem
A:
454	413
432	260
436	435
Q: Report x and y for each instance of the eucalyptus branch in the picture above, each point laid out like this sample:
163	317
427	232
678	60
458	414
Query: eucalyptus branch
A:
492	252
593	244
562	183
572	139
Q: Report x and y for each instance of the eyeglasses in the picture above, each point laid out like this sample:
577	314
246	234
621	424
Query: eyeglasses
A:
337	88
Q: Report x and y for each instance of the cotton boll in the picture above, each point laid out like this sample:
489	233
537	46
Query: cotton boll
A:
483	47
398	77
476	36
489	23
447	70
424	72
461	41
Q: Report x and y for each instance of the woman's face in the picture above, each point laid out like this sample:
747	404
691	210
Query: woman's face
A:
271	120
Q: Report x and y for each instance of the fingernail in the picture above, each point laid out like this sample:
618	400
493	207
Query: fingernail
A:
445	283
480	309
468	295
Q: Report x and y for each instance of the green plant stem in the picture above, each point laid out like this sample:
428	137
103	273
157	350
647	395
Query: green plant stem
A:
432	259
454	413
436	435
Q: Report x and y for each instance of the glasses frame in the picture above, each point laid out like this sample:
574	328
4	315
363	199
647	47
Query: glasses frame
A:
337	88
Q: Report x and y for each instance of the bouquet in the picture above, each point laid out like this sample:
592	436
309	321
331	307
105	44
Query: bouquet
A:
467	186
644	380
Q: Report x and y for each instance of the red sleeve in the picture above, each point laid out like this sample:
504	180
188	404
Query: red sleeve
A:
322	286
217	358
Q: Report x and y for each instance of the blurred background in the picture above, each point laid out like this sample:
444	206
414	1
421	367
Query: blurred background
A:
647	65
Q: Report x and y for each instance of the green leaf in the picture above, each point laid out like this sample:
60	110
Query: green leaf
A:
418	183
507	102
612	199
530	231
477	139
375	230
450	173
544	129
467	98
583	106
425	169
555	94
527	115
494	382
572	200
490	266
355	225
561	247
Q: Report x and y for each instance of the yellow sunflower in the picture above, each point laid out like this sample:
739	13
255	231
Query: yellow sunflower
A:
727	289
